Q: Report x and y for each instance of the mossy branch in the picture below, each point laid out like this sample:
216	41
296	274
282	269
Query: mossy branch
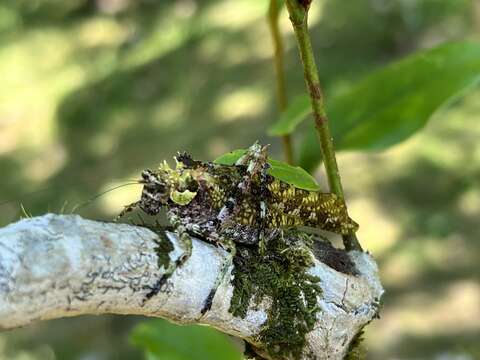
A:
298	11
57	266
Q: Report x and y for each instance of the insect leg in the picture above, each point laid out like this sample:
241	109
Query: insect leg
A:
126	210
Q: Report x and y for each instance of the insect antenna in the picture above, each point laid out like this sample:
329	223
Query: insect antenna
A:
92	199
63	210
49	188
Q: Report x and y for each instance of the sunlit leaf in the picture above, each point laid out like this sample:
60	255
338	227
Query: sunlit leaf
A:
230	158
395	102
297	111
293	175
162	340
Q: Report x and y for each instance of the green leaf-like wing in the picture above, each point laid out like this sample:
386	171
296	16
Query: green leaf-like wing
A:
393	103
297	111
164	341
293	175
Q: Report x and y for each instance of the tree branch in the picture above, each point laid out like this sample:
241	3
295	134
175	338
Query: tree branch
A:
57	266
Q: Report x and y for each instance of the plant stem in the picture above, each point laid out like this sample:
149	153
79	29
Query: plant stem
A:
273	16
298	11
288	149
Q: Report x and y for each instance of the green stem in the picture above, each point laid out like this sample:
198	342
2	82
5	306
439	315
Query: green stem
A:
288	149
273	17
298	11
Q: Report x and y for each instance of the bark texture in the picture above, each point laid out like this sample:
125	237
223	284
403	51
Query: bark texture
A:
56	266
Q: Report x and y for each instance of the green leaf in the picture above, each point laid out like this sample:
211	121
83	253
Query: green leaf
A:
293	175
165	341
297	111
230	158
395	102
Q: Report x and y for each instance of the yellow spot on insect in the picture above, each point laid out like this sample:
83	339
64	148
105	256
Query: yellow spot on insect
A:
183	197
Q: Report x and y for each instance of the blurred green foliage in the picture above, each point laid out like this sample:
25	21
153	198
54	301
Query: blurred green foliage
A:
93	91
393	103
296	112
164	341
389	105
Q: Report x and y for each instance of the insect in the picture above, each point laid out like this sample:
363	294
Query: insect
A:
240	203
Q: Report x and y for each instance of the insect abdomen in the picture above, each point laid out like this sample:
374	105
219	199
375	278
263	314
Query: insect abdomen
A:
291	206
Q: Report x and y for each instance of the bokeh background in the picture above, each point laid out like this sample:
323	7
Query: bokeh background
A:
94	91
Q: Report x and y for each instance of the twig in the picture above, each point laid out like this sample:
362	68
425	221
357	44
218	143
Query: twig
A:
273	17
298	11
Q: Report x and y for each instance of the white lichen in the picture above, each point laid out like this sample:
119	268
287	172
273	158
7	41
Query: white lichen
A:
57	266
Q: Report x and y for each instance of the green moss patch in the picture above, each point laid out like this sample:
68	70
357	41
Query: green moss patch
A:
279	274
163	244
163	248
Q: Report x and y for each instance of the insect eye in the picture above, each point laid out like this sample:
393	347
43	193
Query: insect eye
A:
146	174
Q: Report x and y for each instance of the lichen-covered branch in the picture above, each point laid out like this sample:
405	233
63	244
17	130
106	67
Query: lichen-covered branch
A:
58	266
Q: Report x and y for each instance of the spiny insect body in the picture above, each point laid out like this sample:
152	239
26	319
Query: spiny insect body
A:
241	203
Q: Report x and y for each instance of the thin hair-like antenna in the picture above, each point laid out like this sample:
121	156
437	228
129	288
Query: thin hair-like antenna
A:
89	201
39	191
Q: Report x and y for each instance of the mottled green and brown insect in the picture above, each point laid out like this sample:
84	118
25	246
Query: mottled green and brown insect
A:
240	203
